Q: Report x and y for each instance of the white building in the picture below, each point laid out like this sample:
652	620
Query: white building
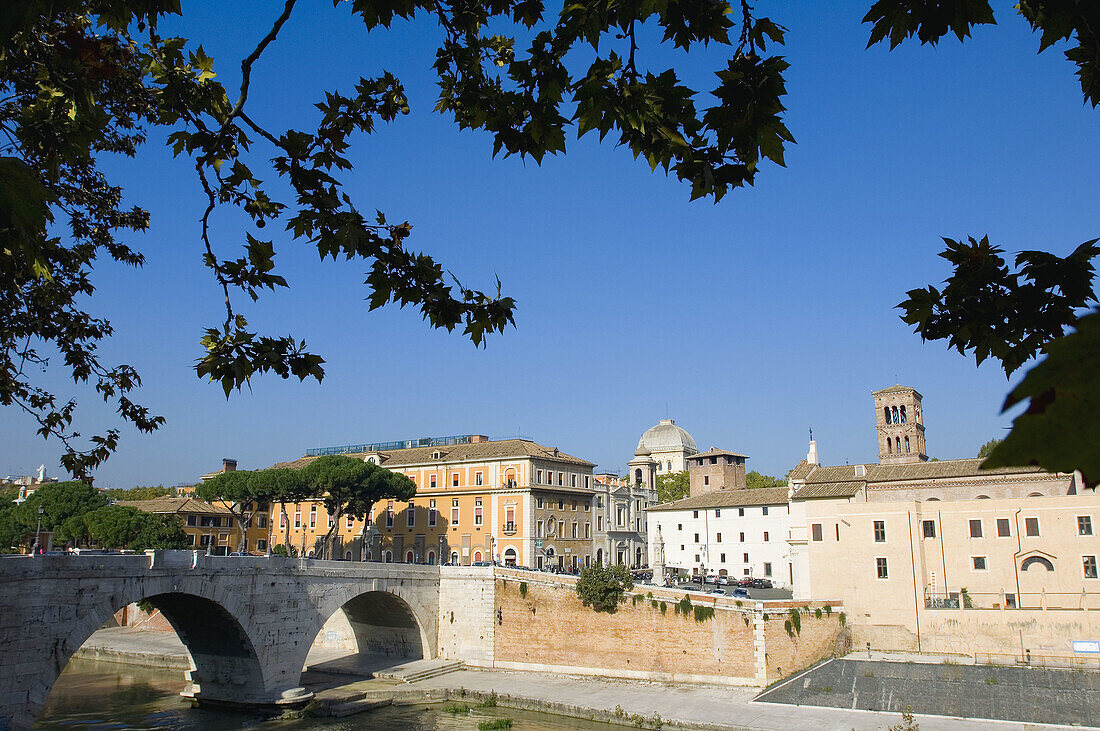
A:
736	533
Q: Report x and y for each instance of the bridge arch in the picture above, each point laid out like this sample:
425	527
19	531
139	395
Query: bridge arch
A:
224	665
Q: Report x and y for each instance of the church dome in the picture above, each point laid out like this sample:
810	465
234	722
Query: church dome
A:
666	437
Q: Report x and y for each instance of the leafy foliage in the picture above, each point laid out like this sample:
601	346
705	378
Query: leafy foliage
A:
350	486
63	504
137	493
672	486
987	449
603	587
80	80
119	526
756	480
245	491
1058	429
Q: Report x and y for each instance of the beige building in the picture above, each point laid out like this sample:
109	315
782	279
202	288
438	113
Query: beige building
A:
513	501
942	556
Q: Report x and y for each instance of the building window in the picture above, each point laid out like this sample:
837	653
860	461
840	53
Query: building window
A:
574	530
696	559
389	515
979	563
880	531
765	536
880	567
1010	601
929	528
431	513
573	505
747	572
599	523
431	481
561	505
192	520
312	517
478	478
679	526
695	513
538	479
764	510
538	529
477	511
718	538
1090	566
561	477
740	512
349	523
886	413
573	480
1084	525
297	518
976	529
746	558
586	481
742	536
410	520
261	544
587	530
1003	528
696	537
1031	527
587	507
454	480
767	569
454	511
907	445
706	480
815	531
561	528
538	502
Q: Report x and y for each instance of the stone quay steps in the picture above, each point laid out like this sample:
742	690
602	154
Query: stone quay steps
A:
419	670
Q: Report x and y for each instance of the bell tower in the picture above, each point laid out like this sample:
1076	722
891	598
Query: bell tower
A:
899	420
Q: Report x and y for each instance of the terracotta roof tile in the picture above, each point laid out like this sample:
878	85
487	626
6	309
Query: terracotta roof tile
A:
175	505
829	489
728	499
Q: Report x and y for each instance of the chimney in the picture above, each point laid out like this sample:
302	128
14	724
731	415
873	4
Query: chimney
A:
811	456
478	438
229	465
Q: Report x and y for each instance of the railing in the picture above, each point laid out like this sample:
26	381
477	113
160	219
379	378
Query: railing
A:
1077	662
509	529
1010	600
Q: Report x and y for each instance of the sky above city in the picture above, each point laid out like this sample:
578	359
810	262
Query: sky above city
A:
749	321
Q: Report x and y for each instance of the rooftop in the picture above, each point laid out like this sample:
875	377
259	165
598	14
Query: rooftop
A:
175	505
466	452
728	499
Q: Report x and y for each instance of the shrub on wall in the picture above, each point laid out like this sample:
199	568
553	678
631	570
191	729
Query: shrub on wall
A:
523	589
795	621
702	613
603	587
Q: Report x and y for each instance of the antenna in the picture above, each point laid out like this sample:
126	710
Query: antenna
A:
811	433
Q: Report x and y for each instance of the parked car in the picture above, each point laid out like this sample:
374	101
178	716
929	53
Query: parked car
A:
761	584
482	563
717	592
740	594
723	581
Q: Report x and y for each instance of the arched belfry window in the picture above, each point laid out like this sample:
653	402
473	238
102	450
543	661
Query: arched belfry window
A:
638	476
1036	561
902	414
889	445
897	444
886	413
894	413
906	441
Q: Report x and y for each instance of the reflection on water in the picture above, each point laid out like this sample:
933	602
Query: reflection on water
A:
99	695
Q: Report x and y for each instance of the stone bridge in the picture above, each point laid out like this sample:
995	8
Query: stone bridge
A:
247	622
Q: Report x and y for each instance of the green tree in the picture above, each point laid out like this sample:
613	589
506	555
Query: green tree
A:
84	79
241	493
987	448
123	526
672	486
60	501
754	479
350	486
10	531
137	493
603	587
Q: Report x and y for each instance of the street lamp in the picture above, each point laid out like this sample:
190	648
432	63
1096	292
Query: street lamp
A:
38	530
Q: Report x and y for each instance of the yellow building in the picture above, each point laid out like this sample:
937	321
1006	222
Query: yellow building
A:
476	500
208	527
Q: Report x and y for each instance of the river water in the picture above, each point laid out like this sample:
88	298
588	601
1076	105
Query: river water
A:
101	695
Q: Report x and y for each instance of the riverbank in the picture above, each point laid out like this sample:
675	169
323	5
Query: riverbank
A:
631	703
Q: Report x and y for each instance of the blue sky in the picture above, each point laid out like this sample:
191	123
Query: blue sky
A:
749	321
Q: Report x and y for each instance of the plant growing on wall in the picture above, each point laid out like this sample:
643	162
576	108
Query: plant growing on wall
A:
603	587
795	620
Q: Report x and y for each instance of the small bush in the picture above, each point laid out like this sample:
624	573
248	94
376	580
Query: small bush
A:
664	608
828	609
790	630
684	606
702	614
817	613
455	708
907	722
843	619
604	587
636	599
796	620
654	604
523	589
490	702
766	617
494	724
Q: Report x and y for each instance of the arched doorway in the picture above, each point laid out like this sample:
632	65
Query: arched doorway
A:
454	558
409	557
431	558
370	632
347	555
477	556
599	557
389	557
509	556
